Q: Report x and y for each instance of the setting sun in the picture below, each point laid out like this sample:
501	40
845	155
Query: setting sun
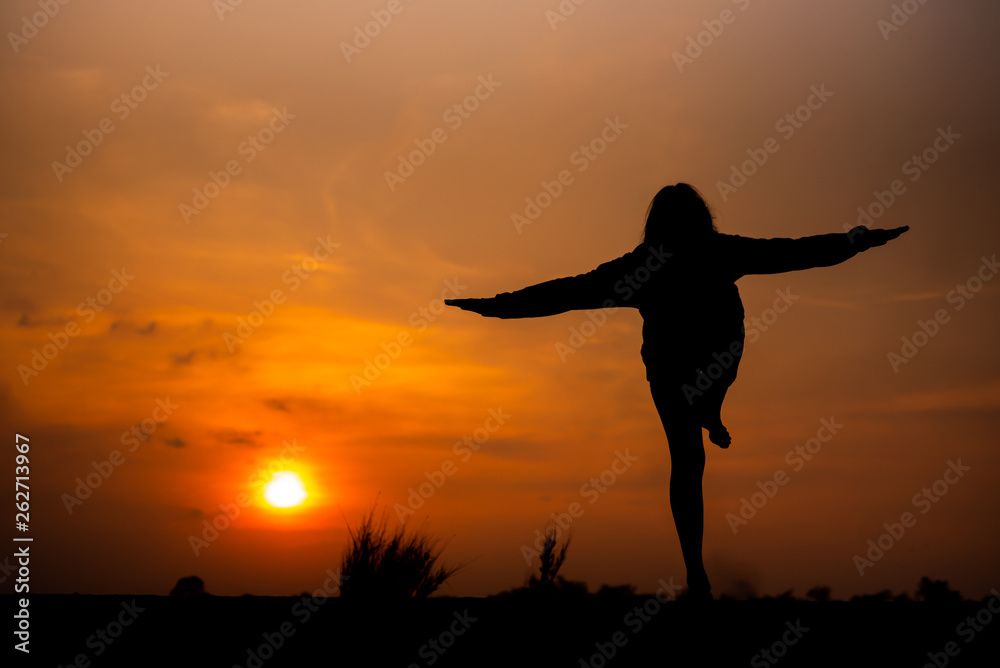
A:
309	309
285	490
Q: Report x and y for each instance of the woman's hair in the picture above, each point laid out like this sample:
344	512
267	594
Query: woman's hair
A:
678	216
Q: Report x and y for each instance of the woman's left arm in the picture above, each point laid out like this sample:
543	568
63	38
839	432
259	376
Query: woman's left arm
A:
773	256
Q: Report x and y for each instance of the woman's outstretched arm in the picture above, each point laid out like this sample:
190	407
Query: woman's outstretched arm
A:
603	287
773	256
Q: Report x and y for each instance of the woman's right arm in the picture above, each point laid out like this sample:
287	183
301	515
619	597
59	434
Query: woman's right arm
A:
600	288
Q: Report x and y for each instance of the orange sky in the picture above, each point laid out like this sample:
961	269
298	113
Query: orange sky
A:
347	263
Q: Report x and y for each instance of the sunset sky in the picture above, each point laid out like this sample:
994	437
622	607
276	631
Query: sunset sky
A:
213	235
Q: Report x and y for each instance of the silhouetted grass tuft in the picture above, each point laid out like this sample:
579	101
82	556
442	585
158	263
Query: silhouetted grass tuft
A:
551	560
548	582
379	564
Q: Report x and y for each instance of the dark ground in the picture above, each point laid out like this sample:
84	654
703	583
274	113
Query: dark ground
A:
232	631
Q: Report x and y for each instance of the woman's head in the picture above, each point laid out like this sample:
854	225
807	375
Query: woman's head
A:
678	216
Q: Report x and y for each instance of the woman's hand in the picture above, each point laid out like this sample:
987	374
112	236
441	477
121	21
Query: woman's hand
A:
484	307
871	238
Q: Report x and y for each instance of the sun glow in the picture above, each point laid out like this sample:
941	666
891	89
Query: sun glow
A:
285	490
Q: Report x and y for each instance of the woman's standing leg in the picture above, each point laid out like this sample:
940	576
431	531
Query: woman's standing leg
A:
687	466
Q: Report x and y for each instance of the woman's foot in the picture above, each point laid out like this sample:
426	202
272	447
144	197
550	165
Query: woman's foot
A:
698	586
710	417
718	434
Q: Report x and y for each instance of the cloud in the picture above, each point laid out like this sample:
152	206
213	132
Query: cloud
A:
25	321
277	405
241	438
985	395
183	359
127	325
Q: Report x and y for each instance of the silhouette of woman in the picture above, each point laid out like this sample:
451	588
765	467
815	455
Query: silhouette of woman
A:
682	278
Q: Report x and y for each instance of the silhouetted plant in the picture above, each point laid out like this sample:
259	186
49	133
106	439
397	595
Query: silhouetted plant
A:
379	564
936	591
192	585
741	590
572	587
551	560
817	593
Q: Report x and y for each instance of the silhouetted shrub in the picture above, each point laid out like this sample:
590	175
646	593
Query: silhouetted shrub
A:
379	564
786	595
818	593
189	586
936	591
